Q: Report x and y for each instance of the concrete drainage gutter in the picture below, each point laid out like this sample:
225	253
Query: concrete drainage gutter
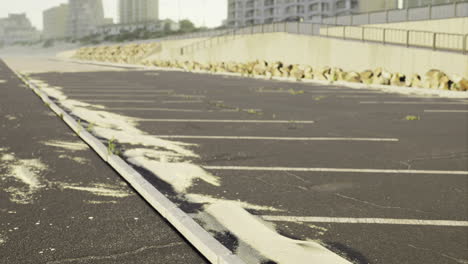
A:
208	246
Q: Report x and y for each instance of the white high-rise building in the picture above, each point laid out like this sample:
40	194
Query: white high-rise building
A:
55	22
84	17
17	28
138	11
249	12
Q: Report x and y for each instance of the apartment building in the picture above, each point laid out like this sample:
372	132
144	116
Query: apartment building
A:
17	28
249	12
55	22
138	11
84	16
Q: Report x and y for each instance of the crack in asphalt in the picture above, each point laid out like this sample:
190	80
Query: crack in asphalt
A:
115	256
381	206
457	260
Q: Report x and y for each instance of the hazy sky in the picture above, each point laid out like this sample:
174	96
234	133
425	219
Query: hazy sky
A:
208	12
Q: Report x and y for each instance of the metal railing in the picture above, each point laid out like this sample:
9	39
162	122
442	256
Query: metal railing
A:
408	38
438	11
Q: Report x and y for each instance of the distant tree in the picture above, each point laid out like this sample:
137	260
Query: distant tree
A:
187	26
48	43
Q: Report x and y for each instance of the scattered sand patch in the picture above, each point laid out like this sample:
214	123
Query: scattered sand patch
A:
2	239
180	175
100	190
7	157
268	242
10	117
25	177
2	81
73	146
206	199
79	160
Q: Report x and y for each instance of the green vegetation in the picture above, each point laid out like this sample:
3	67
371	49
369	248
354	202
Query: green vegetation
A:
412	118
294	92
112	147
318	98
90	127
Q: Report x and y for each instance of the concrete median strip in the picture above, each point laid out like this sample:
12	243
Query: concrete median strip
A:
209	247
347	220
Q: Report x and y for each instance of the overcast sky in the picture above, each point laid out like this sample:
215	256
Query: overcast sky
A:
202	12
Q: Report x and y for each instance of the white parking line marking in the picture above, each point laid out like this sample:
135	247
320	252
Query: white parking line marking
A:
158	109
182	102
244	168
117	101
446	111
280	138
114	95
78	91
347	220
226	121
410	102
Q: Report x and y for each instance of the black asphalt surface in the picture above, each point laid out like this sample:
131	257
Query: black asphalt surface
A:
438	141
63	225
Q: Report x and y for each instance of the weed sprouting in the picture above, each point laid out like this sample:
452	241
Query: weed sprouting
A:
412	118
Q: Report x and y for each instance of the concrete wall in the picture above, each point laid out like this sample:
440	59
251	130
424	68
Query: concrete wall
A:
319	51
457	25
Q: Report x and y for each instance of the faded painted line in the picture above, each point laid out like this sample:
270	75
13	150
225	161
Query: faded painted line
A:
243	168
118	101
226	121
346	220
409	102
182	102
113	95
446	111
117	91
158	109
280	138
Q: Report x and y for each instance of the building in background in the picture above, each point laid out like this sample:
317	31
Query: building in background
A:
138	11
55	22
17	28
249	12
84	16
152	27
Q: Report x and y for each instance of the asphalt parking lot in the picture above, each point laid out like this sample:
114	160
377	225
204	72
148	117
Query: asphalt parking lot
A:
377	177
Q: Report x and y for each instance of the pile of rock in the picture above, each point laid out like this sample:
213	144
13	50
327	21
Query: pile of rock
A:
132	53
135	53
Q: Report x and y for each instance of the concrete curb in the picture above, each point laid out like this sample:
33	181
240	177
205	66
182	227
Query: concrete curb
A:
208	246
383	88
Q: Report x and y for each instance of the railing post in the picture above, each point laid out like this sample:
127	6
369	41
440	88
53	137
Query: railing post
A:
407	38
434	41
430	11
465	48
344	32
384	31
363	34
298	27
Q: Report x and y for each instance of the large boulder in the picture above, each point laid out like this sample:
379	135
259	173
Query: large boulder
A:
398	79
297	72
459	83
367	76
381	77
414	81
353	77
321	73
